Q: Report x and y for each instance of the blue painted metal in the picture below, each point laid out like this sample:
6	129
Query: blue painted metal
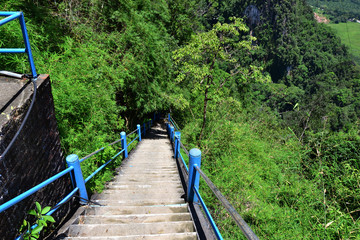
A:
133	141
12	16
12	50
9	17
65	199
6	13
27	45
73	161
171	134
183	160
144	129
169	117
102	166
139	131
76	176
177	145
123	144
55	208
208	214
31	191
194	176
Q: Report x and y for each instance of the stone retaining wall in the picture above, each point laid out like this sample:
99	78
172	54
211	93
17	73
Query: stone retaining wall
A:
35	156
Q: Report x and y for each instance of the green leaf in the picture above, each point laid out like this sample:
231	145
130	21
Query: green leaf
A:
45	210
42	223
38	206
32	212
49	218
37	230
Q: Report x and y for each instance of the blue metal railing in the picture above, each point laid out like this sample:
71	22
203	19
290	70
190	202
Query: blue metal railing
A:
10	16
194	172
74	169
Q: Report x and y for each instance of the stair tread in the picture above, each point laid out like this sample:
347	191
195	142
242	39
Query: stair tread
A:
143	201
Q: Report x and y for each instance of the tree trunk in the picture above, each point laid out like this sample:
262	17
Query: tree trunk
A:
206	99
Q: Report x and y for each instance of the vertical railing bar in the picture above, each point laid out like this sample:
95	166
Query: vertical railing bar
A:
123	144
208	214
27	45
78	180
231	210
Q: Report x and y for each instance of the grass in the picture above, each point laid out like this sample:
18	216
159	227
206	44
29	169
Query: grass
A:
350	36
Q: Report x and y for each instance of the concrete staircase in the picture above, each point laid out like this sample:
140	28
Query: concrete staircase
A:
144	201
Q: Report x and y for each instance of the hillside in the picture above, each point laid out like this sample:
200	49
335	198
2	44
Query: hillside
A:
339	11
271	97
350	35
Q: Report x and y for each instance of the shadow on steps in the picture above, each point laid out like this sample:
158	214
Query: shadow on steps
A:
157	131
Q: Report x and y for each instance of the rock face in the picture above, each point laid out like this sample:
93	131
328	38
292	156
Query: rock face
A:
35	156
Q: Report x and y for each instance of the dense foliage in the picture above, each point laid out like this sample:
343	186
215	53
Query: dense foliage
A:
270	96
338	10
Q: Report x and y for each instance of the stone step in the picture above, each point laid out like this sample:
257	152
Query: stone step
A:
127	210
146	178
149	191
148	174
89	230
136	196
153	182
141	202
171	236
134	218
150	167
136	170
154	187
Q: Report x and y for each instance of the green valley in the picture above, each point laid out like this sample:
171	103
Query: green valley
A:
349	33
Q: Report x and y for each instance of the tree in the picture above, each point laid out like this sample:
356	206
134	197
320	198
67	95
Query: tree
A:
213	59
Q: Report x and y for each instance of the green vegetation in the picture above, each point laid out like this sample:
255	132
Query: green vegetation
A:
350	35
338	10
41	220
271	97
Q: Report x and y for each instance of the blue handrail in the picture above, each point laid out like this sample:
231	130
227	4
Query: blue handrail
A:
208	215
10	16
194	172
70	169
31	191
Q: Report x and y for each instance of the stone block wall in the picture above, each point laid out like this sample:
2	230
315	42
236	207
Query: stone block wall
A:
35	156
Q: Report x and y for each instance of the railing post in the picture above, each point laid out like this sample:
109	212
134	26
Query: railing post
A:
27	45
169	117
154	116
177	144
171	134
194	176
73	161
139	131
124	144
144	129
